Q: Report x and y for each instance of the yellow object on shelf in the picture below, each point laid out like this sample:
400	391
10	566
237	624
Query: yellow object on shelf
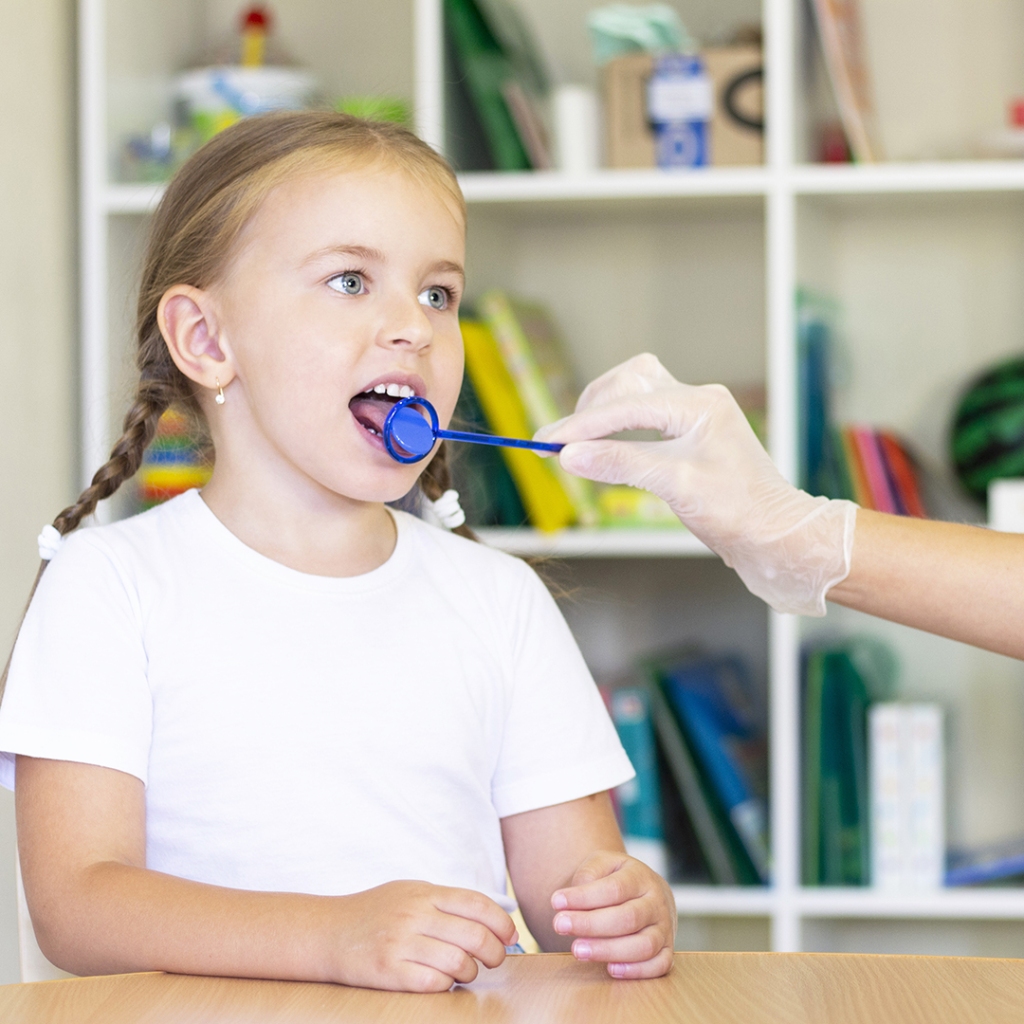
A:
255	25
622	506
535	357
543	496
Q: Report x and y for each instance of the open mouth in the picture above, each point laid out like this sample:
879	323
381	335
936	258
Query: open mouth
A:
370	407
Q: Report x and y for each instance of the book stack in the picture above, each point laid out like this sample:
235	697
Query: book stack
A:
696	719
497	100
518	378
875	470
907	813
860	463
638	802
175	461
836	821
1002	861
872	774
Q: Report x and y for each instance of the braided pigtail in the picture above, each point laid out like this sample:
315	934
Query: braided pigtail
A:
158	388
437	479
139	427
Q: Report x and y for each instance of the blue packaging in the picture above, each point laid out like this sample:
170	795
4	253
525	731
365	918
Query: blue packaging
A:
680	102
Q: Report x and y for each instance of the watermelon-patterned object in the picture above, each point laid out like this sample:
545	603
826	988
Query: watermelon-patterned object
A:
987	439
174	461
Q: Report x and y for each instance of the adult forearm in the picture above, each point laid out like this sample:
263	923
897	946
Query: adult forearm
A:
116	918
963	582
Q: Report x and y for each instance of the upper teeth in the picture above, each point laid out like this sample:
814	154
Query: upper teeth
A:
394	390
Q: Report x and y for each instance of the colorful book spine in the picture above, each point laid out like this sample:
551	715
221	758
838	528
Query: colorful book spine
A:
855	467
535	391
901	472
639	800
708	735
907	796
874	469
687	781
542	492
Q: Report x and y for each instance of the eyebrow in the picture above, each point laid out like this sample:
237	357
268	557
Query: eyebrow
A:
448	267
364	252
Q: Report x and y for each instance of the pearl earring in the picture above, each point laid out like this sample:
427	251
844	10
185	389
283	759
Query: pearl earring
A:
219	397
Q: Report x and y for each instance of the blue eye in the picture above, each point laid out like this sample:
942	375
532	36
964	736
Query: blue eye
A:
348	283
435	298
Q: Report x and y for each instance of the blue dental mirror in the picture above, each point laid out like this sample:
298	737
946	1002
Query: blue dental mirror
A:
409	436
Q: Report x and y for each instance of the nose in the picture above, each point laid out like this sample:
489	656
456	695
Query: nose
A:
406	325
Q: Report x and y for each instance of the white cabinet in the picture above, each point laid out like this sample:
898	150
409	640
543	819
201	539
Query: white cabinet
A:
701	268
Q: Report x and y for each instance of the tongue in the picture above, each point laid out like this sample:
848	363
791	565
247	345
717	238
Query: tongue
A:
370	412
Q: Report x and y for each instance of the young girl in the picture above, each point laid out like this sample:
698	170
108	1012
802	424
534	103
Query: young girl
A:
277	729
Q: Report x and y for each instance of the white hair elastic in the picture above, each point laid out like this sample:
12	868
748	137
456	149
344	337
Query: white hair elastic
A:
447	510
49	542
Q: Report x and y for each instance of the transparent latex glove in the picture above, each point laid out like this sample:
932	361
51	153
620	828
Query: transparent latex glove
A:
788	547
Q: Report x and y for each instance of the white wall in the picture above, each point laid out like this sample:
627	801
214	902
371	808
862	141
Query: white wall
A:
37	293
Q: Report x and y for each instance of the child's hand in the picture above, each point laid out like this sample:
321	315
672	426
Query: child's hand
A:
622	913
418	937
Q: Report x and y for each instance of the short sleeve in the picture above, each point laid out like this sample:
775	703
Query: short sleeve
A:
77	688
559	743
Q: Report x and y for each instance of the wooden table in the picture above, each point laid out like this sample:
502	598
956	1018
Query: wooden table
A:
702	988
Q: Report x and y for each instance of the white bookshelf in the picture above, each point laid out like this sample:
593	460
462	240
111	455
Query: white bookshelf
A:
702	268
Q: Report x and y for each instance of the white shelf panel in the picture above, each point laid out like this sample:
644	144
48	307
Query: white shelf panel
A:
724	901
549	186
132	198
867	179
724	182
941	903
542	186
596	543
866	903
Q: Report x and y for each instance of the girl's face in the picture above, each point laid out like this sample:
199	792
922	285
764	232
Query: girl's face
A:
343	282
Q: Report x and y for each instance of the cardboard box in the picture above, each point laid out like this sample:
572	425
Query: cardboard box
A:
629	140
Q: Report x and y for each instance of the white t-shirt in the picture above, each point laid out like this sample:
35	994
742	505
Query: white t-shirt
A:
304	733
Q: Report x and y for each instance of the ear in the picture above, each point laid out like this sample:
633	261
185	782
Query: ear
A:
187	318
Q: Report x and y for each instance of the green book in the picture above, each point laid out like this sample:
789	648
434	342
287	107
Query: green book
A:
814	680
843	816
487	492
685	775
486	70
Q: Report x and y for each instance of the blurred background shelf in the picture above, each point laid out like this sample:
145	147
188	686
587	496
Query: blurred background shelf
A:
724	901
951	176
491	187
943	904
946	904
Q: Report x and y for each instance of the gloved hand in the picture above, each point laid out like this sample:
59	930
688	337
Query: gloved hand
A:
788	547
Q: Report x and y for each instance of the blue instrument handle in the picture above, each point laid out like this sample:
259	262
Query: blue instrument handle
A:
498	442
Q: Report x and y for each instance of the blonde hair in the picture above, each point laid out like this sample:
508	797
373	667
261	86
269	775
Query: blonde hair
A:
193	236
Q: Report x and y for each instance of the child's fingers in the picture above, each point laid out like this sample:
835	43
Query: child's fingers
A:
475	906
613	887
654	968
471	936
643	945
447	959
607	922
